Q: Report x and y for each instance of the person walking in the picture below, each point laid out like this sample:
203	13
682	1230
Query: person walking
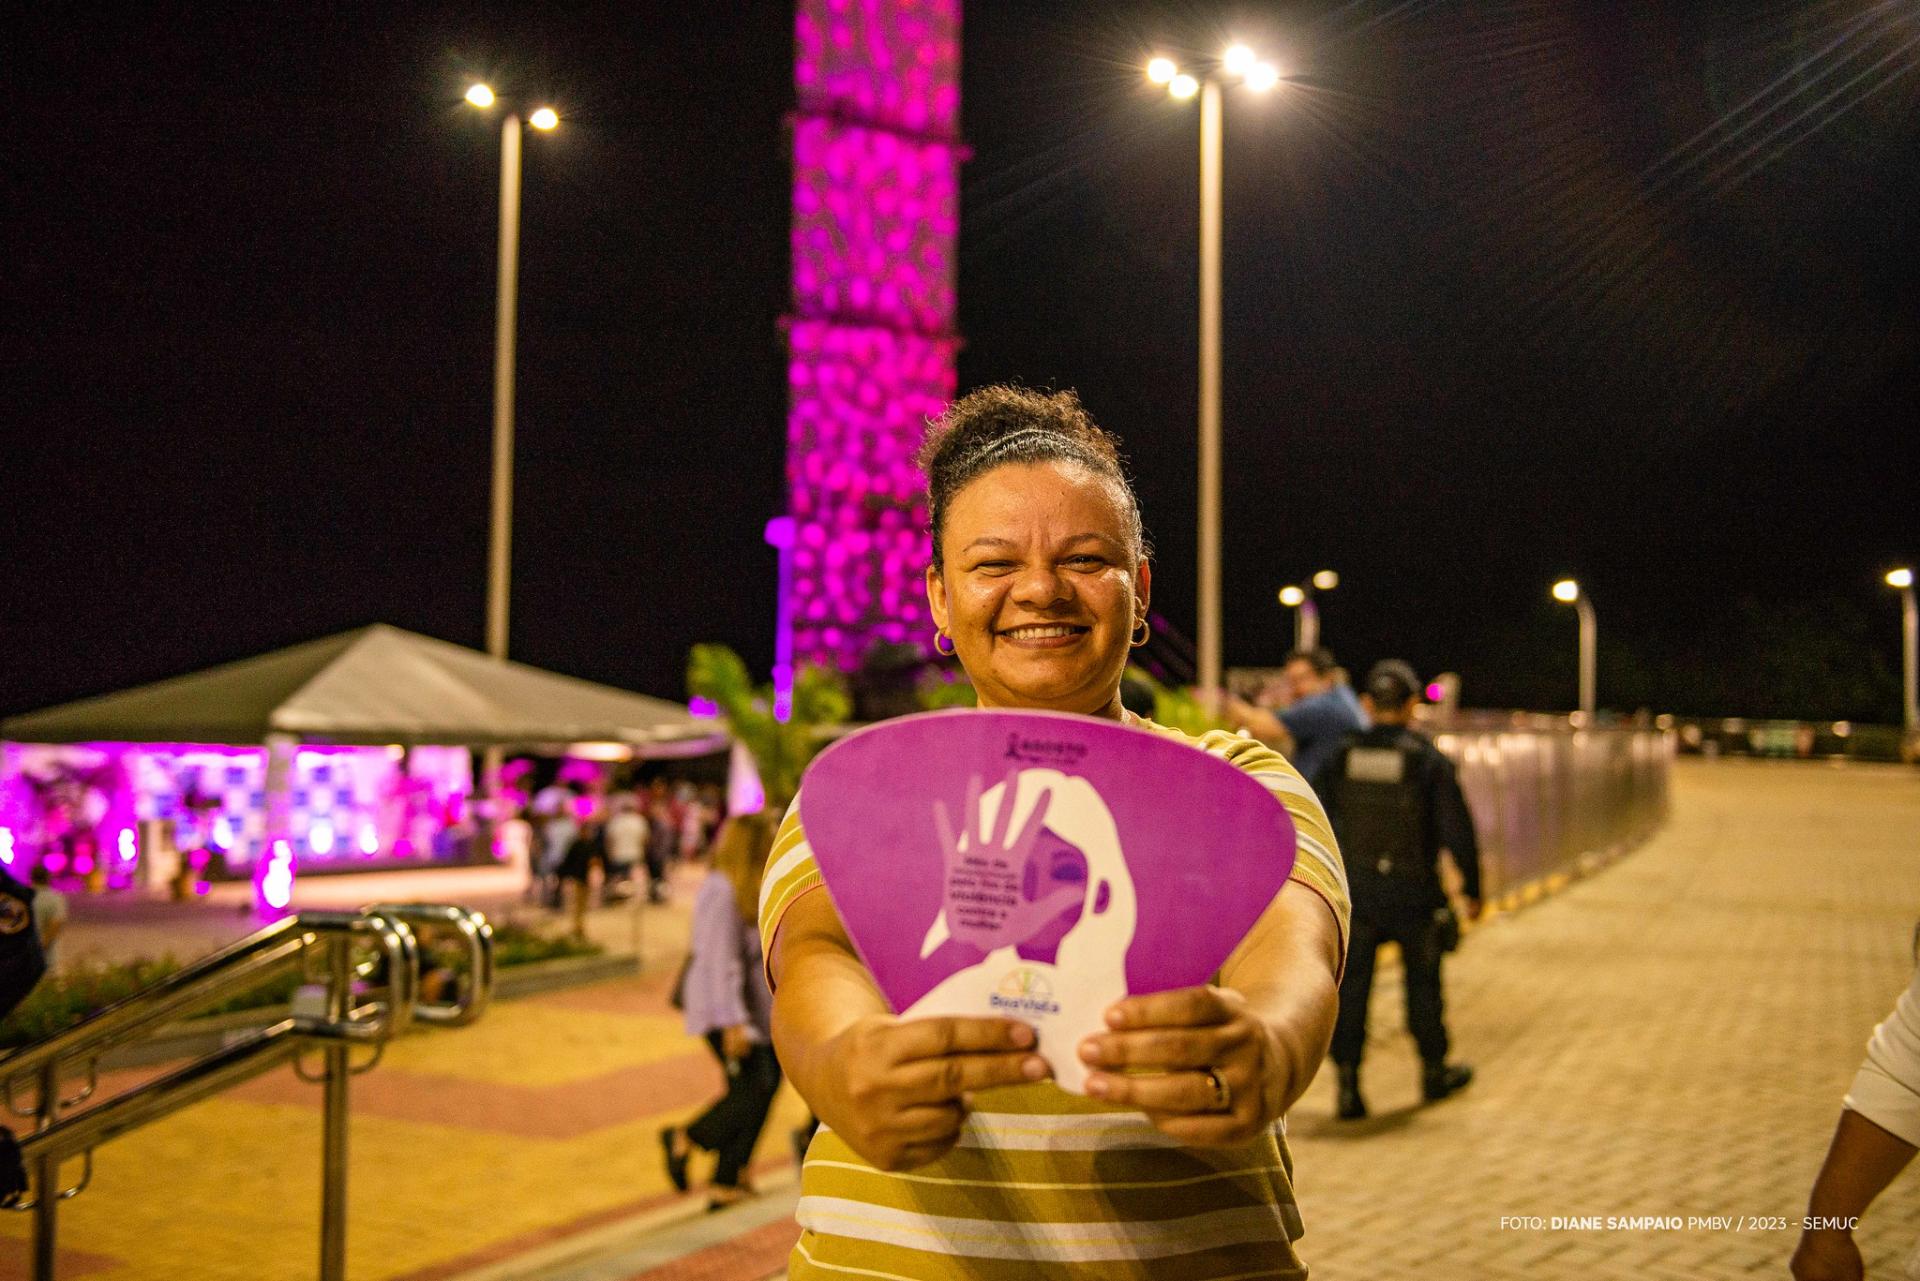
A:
626	845
49	914
1395	804
1320	713
662	839
724	998
557	833
587	850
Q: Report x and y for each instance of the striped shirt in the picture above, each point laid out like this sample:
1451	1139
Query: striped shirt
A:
1047	1184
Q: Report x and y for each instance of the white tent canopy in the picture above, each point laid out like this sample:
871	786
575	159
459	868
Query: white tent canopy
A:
378	684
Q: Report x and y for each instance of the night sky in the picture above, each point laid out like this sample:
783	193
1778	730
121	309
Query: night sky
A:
1513	291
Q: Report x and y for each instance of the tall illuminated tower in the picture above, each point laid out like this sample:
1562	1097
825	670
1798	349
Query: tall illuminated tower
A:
870	337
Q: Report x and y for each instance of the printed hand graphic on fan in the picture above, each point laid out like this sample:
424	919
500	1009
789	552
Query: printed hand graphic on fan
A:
1002	887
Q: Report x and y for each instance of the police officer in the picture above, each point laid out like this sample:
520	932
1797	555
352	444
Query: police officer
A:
1395	804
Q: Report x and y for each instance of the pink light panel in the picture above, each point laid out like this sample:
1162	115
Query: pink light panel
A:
890	62
870	341
861	401
875	217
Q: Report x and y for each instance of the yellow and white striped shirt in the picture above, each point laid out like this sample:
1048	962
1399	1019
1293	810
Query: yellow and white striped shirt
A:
1046	1184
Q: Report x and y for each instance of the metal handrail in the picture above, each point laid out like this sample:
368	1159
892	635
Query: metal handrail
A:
230	1065
240	965
344	1025
476	932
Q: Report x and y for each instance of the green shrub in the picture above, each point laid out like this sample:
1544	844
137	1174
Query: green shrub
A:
780	749
59	1001
939	689
516	944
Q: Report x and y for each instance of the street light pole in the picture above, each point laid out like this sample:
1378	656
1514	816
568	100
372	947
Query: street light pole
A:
1589	642
1306	619
1568	592
1241	62
506	302
1909	646
505	317
1210	166
1306	626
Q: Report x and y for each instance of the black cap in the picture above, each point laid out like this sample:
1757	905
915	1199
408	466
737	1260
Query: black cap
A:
1391	682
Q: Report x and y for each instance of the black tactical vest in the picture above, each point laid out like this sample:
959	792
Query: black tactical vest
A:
21	960
1382	822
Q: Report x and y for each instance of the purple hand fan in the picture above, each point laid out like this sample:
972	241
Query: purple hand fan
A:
1038	865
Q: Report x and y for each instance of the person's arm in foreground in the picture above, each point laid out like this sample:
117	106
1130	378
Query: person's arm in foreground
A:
1259	722
893	1088
1264	1030
1862	1161
1878	1131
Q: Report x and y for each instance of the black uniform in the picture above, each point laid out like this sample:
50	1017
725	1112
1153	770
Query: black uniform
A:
1395	803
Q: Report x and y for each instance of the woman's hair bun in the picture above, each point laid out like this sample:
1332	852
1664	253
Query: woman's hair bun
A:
1000	417
1001	424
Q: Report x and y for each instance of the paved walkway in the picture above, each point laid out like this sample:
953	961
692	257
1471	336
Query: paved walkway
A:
1668	1038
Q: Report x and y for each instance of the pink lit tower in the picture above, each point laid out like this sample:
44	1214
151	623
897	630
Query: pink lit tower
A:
870	339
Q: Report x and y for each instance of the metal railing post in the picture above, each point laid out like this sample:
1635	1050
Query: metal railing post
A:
46	1203
333	1154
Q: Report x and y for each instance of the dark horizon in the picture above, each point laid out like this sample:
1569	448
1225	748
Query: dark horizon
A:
1620	294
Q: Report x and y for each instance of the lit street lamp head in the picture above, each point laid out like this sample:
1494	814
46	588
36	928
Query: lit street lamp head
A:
1325	581
1901	578
1291	596
1238	60
1566	591
480	96
1263	77
1161	70
1183	86
544	118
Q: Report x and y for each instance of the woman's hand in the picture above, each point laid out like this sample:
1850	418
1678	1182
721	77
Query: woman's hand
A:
897	1087
1179	1037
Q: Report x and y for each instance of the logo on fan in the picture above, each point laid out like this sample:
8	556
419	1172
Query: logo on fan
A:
1060	753
13	915
1025	991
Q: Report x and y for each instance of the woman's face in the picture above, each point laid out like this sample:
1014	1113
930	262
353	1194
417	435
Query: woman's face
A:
1041	589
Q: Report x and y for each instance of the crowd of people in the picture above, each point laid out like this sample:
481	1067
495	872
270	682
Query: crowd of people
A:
621	839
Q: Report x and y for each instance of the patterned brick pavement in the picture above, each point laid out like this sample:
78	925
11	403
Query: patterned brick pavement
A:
1670	1037
534	1125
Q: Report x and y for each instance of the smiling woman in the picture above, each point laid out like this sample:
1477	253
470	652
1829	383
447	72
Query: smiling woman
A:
1048	581
944	1151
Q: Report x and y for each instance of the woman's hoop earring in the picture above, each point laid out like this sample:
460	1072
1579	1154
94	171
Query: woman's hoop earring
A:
938	636
1142	633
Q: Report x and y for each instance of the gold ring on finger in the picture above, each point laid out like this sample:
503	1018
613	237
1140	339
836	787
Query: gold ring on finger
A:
1222	1096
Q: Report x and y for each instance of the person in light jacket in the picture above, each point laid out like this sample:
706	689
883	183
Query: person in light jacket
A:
725	1000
